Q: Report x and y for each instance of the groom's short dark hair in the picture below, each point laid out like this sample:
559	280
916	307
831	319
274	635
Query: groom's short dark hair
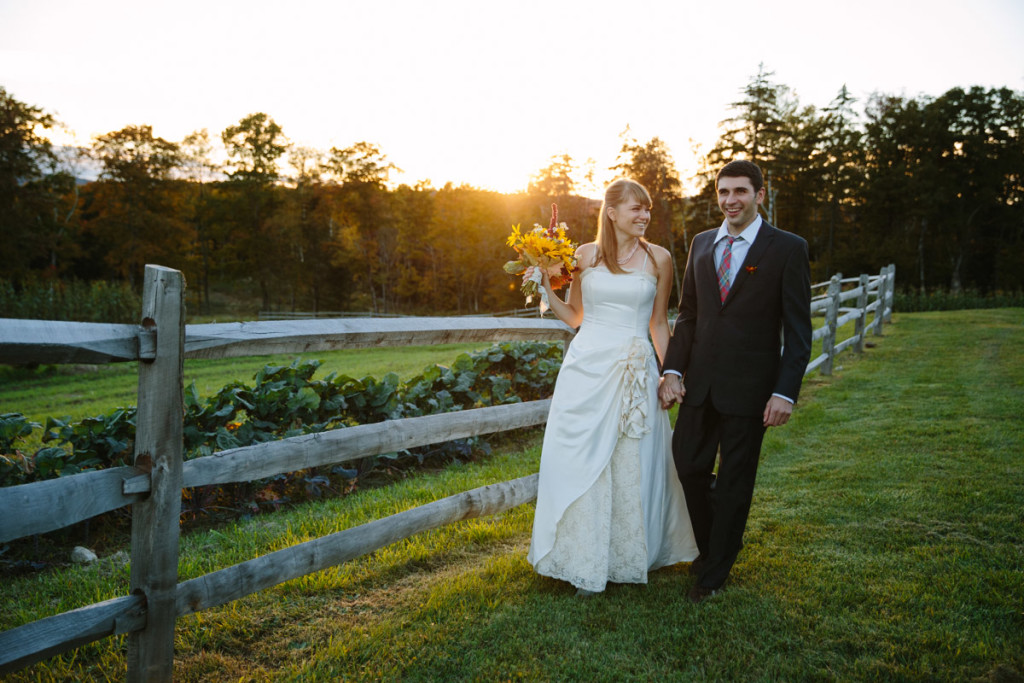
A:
741	168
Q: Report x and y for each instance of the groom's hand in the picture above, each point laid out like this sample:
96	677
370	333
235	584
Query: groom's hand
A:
670	390
777	412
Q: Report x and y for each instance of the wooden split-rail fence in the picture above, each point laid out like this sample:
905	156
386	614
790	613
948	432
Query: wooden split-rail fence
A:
153	485
306	315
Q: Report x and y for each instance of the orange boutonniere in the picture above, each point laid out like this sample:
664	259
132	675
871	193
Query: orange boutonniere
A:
751	269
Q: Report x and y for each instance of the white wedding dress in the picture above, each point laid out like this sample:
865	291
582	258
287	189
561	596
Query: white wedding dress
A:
609	503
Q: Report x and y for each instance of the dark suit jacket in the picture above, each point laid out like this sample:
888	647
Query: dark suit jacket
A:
732	350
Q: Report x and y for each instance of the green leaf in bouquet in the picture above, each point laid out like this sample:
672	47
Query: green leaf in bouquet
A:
514	267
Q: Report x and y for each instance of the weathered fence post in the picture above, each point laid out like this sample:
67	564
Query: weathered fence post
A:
158	451
828	342
862	303
880	299
890	291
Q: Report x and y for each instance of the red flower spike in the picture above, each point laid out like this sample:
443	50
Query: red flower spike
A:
554	215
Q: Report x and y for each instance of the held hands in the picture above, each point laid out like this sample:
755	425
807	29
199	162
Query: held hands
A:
777	412
670	390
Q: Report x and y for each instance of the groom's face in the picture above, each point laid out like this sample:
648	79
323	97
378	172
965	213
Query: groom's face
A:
738	201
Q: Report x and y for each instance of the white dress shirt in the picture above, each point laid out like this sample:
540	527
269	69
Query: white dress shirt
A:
739	248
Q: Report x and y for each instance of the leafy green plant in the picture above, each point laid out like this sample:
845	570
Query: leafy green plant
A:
53	461
13	428
14	464
102	441
287	400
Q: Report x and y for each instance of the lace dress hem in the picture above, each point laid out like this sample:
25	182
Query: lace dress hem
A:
601	537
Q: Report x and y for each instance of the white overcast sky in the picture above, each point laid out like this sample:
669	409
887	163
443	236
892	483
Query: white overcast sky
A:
484	91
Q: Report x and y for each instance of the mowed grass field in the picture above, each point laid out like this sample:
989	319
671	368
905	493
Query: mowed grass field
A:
885	542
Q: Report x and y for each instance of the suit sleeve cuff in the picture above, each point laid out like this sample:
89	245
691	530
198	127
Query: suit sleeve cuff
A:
784	398
672	372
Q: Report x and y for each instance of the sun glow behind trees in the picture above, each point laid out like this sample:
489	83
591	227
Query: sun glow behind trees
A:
312	228
481	93
530	98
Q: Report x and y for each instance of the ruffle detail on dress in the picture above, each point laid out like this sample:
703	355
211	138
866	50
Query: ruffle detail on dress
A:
633	417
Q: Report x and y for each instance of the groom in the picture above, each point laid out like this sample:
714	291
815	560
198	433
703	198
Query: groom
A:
745	282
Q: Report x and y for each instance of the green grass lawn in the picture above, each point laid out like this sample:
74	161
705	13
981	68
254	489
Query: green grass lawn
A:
885	542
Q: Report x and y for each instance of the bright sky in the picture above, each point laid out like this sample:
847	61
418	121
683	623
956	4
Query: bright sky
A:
484	92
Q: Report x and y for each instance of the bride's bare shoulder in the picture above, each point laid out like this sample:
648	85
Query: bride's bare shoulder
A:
662	261
659	252
586	255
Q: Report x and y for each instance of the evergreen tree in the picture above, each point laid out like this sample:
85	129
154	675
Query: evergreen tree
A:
254	147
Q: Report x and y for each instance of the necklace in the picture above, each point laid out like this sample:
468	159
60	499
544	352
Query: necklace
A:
636	245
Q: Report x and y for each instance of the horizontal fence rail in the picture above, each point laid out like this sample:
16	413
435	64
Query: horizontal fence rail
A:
342	445
56	503
240	580
53	504
61	342
305	315
226	340
153	485
45	638
44	341
31	643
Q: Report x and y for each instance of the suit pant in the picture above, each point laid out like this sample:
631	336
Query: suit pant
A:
718	504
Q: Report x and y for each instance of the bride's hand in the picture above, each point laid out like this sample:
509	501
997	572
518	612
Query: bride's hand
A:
670	390
545	281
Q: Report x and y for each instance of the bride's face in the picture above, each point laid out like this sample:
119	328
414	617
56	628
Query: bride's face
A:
630	218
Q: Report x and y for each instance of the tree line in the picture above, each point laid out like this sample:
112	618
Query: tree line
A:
932	184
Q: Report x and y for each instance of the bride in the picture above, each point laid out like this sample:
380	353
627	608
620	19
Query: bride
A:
609	503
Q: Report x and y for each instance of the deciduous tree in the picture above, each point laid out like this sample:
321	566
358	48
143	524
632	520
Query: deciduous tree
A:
651	165
30	188
556	179
132	209
363	162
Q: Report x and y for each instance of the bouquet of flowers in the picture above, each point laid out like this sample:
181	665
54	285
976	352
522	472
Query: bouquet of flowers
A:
549	251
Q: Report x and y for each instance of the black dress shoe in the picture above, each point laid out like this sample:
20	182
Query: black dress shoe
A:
699	594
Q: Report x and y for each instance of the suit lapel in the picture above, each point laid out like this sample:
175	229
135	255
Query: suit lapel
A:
764	239
706	262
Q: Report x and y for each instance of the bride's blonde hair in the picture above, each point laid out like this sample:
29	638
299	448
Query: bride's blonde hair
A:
619	191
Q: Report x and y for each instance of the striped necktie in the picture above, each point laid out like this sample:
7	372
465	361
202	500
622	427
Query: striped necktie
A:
723	268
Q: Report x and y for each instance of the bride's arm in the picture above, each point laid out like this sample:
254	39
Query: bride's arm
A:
570	310
659	316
